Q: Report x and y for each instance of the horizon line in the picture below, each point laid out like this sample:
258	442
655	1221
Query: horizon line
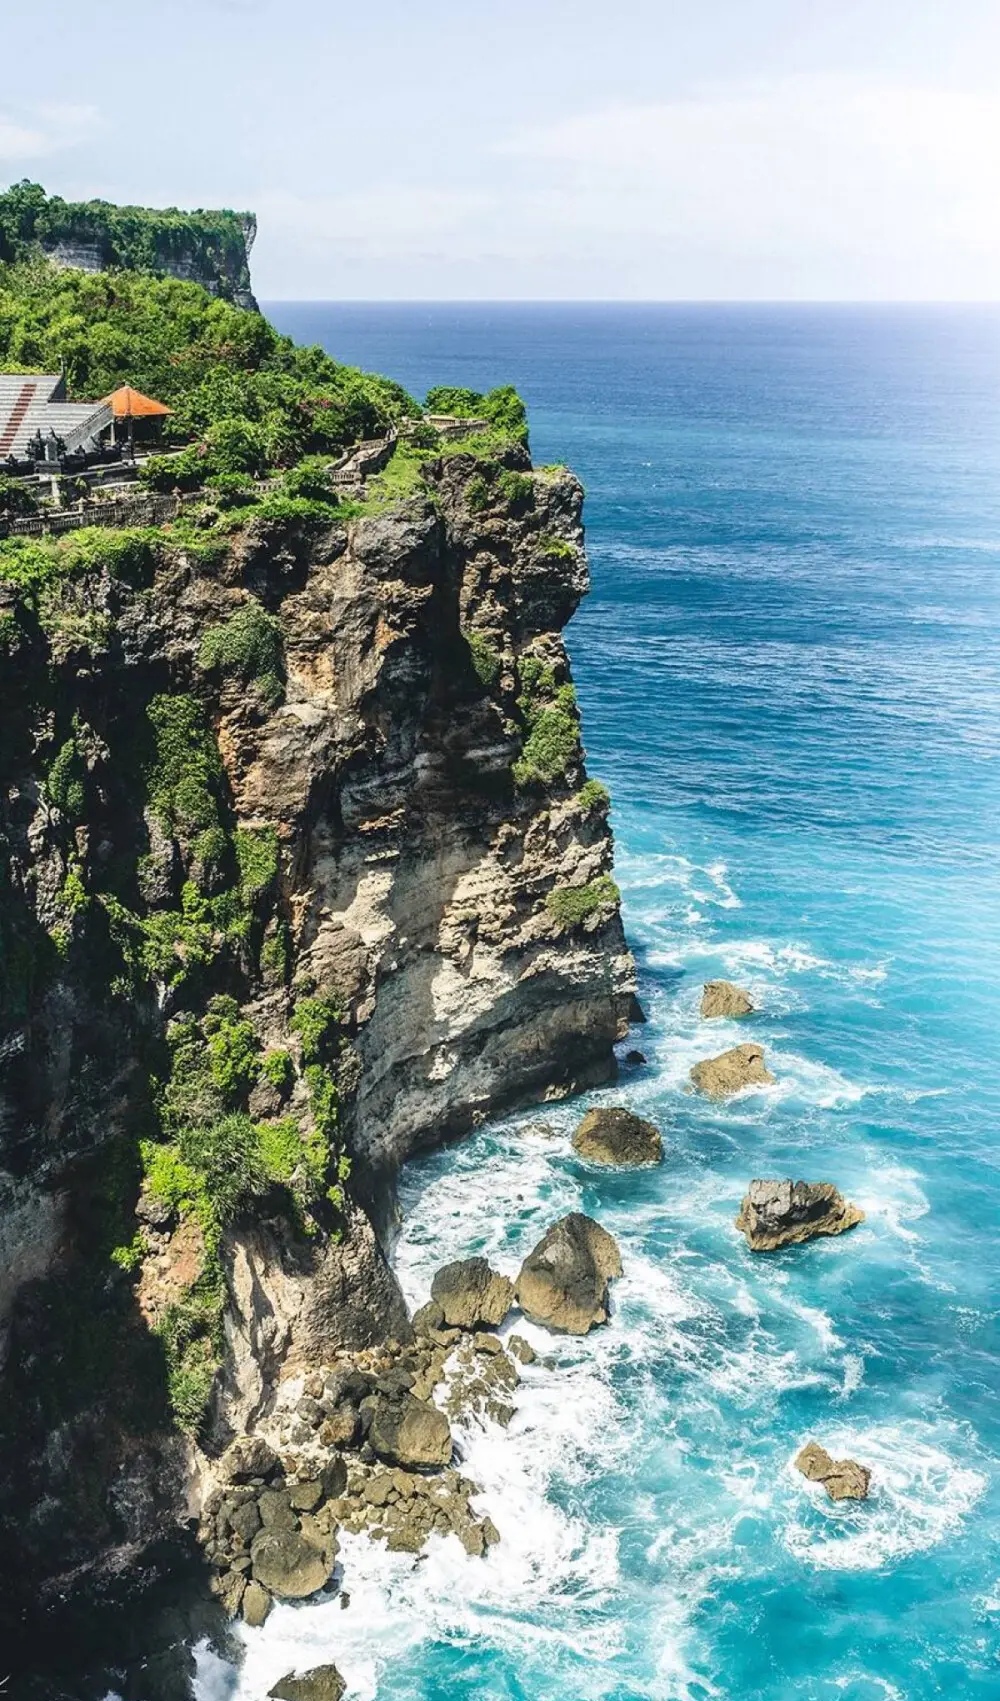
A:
625	301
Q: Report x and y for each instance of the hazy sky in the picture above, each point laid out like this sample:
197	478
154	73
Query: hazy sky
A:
654	149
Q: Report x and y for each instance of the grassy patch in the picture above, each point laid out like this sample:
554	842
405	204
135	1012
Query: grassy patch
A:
248	648
593	798
486	660
570	906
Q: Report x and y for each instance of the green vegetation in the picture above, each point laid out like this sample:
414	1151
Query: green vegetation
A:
517	490
593	798
228	1160
556	548
193	1341
502	407
16	500
37	565
250	397
138	239
550	748
184	772
317	1022
551	722
247	648
486	660
64	783
277	1069
401	480
570	906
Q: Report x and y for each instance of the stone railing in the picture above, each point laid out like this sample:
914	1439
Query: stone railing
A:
134	511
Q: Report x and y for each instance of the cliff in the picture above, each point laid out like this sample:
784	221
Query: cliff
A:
210	248
302	873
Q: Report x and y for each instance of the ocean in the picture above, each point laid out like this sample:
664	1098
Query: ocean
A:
789	674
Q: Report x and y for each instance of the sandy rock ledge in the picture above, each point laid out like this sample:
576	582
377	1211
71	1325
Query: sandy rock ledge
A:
743	1066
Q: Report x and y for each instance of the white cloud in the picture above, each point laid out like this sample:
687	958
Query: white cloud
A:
44	130
18	142
801	187
892	189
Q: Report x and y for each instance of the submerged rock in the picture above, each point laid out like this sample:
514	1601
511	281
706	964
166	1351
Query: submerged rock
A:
322	1683
563	1282
722	998
843	1479
619	1138
729	1073
407	1431
784	1213
471	1294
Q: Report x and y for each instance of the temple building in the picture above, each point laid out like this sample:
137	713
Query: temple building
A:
38	423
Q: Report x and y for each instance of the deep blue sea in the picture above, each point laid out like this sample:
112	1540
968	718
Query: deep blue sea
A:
789	672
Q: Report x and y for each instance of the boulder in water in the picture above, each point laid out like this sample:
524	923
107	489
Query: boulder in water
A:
289	1566
722	998
783	1213
729	1073
471	1294
843	1479
406	1431
563	1282
322	1683
618	1138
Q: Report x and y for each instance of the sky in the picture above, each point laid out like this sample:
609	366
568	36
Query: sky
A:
536	149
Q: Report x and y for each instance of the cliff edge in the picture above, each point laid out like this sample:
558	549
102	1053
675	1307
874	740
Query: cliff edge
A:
303	872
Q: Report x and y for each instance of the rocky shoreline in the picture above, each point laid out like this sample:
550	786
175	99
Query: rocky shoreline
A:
365	1444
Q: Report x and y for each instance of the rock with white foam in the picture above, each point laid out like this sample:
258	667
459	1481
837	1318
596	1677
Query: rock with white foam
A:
743	1066
563	1282
785	1213
471	1294
405	1431
722	998
843	1479
618	1138
321	1683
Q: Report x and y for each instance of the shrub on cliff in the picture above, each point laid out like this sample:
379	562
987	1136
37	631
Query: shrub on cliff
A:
486	659
551	747
247	647
228	1158
502	407
571	906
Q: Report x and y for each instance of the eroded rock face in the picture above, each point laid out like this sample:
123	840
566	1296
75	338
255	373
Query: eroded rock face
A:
471	1295
322	1683
722	998
782	1213
563	1282
618	1138
843	1479
411	893
720	1077
407	1431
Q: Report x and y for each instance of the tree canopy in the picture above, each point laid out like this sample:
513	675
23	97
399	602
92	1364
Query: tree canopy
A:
208	360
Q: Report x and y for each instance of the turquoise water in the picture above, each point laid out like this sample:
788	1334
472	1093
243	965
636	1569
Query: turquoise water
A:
790	673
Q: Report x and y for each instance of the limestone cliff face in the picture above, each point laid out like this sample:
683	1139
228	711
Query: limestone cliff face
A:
203	246
427	839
